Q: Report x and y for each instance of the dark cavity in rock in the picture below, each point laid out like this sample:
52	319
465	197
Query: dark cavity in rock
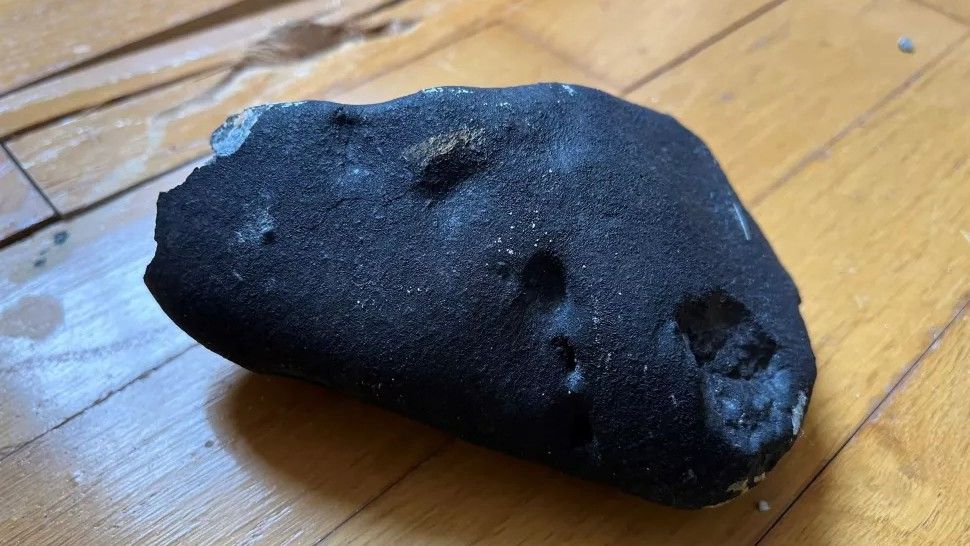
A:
545	270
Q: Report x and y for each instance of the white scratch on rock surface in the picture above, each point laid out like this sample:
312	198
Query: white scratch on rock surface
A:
742	221
231	135
798	412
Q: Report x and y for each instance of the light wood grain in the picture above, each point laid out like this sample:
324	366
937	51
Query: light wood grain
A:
203	452
85	158
958	9
76	321
213	47
624	40
40	37
881	262
764	97
903	479
21	205
90	156
479	60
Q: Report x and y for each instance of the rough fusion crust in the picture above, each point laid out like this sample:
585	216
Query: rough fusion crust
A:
545	270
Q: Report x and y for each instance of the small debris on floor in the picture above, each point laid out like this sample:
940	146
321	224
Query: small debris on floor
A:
60	237
763	506
905	44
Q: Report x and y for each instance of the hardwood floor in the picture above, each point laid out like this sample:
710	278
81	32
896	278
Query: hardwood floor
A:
116	428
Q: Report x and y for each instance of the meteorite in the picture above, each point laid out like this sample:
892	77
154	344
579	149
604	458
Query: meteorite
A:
545	270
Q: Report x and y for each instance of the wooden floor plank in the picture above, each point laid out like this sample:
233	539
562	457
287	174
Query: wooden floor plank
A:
766	96
881	262
903	479
21	205
957	8
76	321
213	47
479	60
202	452
85	158
624	40
40	37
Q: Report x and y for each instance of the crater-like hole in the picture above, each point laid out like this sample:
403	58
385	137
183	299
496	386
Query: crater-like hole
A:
567	353
445	161
723	336
580	428
544	278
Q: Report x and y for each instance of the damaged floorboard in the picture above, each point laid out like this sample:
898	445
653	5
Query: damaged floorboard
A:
118	428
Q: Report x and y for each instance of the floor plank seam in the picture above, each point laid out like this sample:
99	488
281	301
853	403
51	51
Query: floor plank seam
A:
217	18
530	37
701	46
197	74
185	28
5	149
472	29
901	380
160	86
937	9
94	205
434	453
859	121
25	233
55	216
16	448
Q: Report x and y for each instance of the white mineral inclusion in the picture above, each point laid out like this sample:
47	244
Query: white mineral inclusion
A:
574	381
228	138
798	412
231	135
739	486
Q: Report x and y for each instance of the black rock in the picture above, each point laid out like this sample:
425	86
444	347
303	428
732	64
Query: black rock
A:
545	270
